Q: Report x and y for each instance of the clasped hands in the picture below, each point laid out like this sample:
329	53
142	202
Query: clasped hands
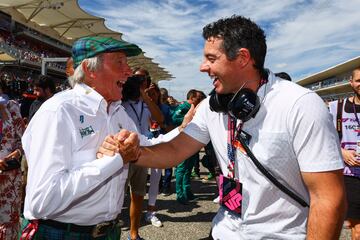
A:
126	143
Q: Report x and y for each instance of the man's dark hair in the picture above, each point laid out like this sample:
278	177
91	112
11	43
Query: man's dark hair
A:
192	93
164	91
145	73
45	82
202	95
283	75
239	32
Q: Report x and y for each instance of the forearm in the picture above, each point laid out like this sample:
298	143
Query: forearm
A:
170	154
326	218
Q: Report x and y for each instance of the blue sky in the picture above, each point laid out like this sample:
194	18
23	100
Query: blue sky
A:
303	37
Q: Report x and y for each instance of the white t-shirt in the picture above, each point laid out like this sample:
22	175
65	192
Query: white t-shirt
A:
291	133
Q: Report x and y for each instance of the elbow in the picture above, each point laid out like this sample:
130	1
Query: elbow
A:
38	209
42	205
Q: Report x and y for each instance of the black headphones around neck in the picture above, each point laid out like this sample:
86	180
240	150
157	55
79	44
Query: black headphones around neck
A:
243	105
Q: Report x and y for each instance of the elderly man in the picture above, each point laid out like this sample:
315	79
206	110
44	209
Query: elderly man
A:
71	194
274	140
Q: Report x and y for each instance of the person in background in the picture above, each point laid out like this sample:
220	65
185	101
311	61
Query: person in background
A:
196	169
168	125
141	109
183	170
155	173
11	130
283	75
346	115
44	88
27	98
4	97
172	102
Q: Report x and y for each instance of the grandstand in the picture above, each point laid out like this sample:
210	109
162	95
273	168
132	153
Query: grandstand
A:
332	83
33	30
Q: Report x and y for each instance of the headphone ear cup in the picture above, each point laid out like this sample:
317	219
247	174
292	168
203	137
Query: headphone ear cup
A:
219	102
244	105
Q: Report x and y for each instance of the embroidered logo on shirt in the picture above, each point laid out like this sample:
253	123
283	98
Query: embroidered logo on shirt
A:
82	118
86	131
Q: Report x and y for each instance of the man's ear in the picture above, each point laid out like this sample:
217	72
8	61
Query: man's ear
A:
87	71
244	57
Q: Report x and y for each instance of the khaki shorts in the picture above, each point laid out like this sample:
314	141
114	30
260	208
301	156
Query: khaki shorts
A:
137	179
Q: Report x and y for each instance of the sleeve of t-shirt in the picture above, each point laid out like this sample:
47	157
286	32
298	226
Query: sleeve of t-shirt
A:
333	111
198	128
313	134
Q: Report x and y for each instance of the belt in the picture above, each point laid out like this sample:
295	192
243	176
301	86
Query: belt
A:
95	230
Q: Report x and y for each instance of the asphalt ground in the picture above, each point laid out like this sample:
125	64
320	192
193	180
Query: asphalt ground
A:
183	222
192	221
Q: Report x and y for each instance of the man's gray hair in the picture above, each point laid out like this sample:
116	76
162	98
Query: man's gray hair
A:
79	74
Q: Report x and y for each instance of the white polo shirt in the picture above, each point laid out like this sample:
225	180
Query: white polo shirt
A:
291	133
66	182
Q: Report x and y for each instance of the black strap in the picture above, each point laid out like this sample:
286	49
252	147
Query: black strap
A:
269	176
139	118
339	118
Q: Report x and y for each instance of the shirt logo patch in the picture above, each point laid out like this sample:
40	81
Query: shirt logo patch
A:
86	131
82	118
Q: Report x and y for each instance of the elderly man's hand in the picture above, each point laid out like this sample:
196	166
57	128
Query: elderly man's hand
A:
125	143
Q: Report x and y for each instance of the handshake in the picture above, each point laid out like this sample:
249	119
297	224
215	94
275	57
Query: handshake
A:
126	143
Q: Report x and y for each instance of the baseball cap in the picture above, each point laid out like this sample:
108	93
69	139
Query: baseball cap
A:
88	47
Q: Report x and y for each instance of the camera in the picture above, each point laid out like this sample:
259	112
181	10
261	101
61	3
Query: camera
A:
131	88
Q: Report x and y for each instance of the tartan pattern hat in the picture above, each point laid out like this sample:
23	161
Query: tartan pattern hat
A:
88	47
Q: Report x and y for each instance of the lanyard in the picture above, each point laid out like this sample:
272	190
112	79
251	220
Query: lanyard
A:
232	132
141	112
355	113
231	149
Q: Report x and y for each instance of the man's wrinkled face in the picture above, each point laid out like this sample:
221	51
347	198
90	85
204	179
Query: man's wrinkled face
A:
111	76
355	82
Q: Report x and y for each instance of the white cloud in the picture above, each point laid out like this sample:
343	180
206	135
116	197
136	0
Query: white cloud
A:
303	36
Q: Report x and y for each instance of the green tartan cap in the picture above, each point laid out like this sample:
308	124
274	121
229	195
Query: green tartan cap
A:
88	47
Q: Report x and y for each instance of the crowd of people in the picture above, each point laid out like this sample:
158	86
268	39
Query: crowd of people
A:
271	143
28	50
